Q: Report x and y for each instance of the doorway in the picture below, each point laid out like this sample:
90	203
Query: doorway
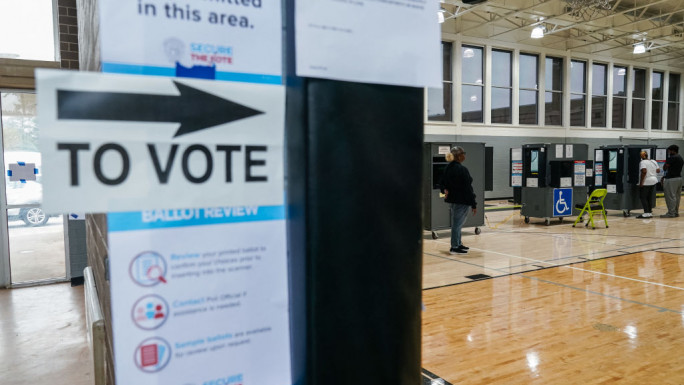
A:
32	242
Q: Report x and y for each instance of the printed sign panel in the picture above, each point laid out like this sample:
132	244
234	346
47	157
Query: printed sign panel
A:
222	40
562	202
199	296
516	173
124	142
348	40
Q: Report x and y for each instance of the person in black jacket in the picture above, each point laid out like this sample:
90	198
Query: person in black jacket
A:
457	185
672	181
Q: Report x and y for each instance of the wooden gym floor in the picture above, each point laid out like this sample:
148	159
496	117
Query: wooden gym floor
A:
536	304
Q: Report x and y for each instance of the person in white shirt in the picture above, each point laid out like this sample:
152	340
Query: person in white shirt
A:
647	181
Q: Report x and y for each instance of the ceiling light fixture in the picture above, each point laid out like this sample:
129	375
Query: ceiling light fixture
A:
639	48
539	29
468	53
537	32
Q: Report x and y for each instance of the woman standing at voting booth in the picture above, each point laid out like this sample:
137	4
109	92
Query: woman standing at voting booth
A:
647	181
457	185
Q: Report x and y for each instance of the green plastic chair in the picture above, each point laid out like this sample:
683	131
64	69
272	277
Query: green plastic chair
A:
593	206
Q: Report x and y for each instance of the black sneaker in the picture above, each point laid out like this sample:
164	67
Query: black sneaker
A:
463	247
457	251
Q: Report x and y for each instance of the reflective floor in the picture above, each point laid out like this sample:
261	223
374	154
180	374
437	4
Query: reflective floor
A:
37	253
529	304
43	336
564	305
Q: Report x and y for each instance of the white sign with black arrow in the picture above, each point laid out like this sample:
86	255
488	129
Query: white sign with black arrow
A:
124	143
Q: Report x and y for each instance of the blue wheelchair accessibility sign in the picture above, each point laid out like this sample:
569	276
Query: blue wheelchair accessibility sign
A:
562	202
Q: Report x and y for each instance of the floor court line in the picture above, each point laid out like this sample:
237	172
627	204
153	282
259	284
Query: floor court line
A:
523	275
502	222
594	234
621	250
660	308
577	268
573	236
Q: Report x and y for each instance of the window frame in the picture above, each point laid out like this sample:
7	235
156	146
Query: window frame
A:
603	96
481	85
583	112
624	98
549	90
448	107
676	103
635	98
499	87
654	101
522	89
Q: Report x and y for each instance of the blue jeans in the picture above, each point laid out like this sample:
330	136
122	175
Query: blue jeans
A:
459	214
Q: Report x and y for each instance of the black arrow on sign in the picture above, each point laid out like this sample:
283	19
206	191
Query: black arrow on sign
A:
194	109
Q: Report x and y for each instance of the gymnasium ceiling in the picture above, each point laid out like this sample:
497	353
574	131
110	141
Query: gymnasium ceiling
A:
608	33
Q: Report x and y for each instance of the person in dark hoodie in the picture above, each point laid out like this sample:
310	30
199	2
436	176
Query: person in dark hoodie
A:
457	185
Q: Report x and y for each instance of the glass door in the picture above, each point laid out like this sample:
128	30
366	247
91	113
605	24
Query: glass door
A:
32	241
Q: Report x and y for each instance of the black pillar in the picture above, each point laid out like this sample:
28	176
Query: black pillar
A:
354	154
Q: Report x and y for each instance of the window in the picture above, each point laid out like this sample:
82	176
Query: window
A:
27	30
599	94
473	84
439	101
528	98
638	97
657	101
673	103
619	97
554	91
578	93
502	87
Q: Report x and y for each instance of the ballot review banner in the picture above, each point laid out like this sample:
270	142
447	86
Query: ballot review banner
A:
200	295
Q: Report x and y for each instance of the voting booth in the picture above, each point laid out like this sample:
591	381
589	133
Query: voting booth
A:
552	177
617	170
436	215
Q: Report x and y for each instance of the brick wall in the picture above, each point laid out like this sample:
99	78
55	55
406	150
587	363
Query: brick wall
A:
68	33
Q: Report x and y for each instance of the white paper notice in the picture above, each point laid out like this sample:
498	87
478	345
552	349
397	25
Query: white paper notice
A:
580	180
611	188
148	155
598	180
351	40
516	154
589	173
443	150
661	154
598	156
222	40
199	296
569	151
516	181
566	182
559	151
532	182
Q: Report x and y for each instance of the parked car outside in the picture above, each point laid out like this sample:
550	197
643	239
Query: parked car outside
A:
26	193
